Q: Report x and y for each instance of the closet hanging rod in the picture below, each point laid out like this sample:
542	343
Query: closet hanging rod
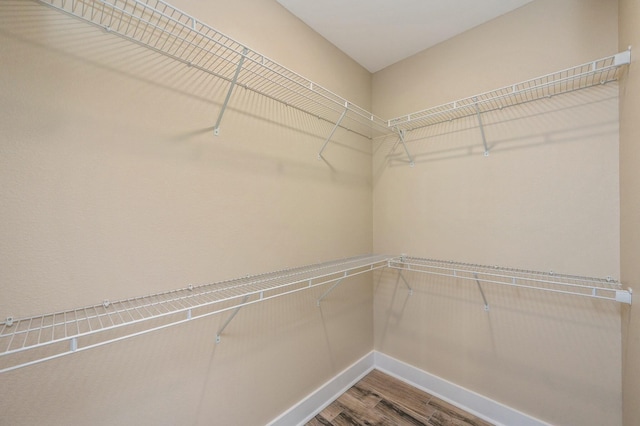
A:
598	288
600	71
163	28
28	341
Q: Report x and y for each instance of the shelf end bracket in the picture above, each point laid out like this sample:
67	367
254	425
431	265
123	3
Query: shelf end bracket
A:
624	296
216	128
622	58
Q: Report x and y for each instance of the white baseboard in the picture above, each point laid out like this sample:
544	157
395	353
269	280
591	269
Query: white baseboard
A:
306	409
471	402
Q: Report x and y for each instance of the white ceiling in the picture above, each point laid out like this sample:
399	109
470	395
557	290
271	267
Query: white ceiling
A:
378	33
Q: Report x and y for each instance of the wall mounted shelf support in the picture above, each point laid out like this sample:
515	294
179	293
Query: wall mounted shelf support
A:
326	293
486	305
404	280
216	128
230	318
484	139
401	136
324	145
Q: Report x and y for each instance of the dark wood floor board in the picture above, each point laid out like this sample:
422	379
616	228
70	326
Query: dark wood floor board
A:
412	400
332	411
397	415
450	415
381	400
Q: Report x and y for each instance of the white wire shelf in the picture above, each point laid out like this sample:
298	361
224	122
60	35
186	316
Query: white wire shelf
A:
598	288
165	29
32	340
600	71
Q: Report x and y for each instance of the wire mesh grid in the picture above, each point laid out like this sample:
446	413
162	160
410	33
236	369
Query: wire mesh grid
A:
172	307
601	71
599	288
161	27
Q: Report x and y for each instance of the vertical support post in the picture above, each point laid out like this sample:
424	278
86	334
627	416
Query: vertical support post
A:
233	314
346	108
216	128
486	305
401	134
484	139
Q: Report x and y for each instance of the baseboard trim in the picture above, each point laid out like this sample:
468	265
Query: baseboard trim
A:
315	402
472	402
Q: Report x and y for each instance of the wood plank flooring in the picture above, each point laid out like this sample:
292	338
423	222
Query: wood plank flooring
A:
379	399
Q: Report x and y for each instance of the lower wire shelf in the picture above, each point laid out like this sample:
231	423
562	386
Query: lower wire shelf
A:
598	288
29	341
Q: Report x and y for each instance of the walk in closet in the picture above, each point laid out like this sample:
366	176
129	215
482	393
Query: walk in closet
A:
214	216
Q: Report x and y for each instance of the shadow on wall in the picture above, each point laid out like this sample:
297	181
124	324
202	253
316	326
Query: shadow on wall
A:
548	350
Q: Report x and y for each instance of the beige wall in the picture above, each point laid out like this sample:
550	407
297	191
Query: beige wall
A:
546	198
629	35
114	186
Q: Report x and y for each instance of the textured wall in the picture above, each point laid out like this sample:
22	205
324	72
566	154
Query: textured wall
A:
546	198
114	186
629	35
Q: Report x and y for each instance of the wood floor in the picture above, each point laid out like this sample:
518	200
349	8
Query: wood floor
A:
379	399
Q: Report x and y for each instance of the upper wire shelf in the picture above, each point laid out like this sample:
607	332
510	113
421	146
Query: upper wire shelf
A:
600	71
165	29
598	288
28	341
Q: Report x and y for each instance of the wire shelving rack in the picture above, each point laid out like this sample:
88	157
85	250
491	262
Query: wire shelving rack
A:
163	28
597	288
159	26
28	341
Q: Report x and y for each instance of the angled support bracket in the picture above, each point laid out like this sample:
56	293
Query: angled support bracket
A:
216	128
326	293
484	139
486	305
231	317
401	134
406	283
335	127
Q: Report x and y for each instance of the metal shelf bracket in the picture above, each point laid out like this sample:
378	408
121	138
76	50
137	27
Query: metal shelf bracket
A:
486	305
401	135
484	139
230	318
216	128
335	127
326	293
406	283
